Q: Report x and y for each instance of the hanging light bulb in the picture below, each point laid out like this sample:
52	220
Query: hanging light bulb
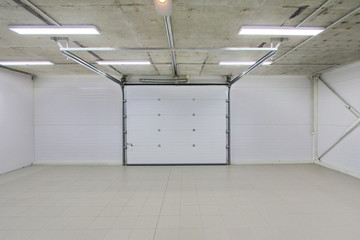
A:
163	7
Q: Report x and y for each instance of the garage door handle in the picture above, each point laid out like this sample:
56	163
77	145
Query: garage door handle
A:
130	144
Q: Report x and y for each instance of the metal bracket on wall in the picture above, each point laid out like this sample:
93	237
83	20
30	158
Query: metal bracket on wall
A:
350	108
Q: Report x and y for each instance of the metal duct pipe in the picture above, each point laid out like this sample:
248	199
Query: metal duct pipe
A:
252	67
148	80
170	38
89	66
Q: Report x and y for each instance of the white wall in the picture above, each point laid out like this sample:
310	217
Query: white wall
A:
16	120
335	119
77	120
271	119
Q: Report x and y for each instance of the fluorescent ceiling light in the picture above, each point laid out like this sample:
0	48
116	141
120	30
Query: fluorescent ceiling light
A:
168	49
55	30
230	63
20	63
123	62
258	30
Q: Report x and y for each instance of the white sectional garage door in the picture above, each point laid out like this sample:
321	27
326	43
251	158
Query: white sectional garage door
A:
176	124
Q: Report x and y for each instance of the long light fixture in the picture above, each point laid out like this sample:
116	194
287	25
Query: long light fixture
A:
55	30
284	31
123	62
21	63
167	49
233	63
153	80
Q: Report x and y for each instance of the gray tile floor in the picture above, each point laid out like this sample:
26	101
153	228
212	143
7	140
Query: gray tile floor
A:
249	202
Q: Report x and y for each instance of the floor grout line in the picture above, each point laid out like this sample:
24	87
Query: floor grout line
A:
162	203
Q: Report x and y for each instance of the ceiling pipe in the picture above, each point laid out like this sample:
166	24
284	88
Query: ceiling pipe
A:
314	13
310	38
252	67
170	38
89	66
29	6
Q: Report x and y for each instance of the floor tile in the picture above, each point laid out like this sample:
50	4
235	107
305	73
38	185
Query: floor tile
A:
252	202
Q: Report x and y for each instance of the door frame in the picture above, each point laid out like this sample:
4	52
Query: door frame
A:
124	123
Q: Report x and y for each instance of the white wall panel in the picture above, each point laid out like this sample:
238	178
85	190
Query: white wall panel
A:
271	119
77	120
16	121
78	144
176	124
335	119
270	143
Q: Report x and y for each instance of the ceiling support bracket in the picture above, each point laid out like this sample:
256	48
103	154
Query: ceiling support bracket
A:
90	66
255	65
84	63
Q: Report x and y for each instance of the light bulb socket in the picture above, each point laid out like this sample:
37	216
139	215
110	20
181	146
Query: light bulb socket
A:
163	7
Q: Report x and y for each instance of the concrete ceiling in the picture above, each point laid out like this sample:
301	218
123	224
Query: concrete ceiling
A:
200	23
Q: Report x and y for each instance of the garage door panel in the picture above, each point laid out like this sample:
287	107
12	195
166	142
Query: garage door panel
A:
147	121
150	154
175	92
176	124
180	136
176	107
